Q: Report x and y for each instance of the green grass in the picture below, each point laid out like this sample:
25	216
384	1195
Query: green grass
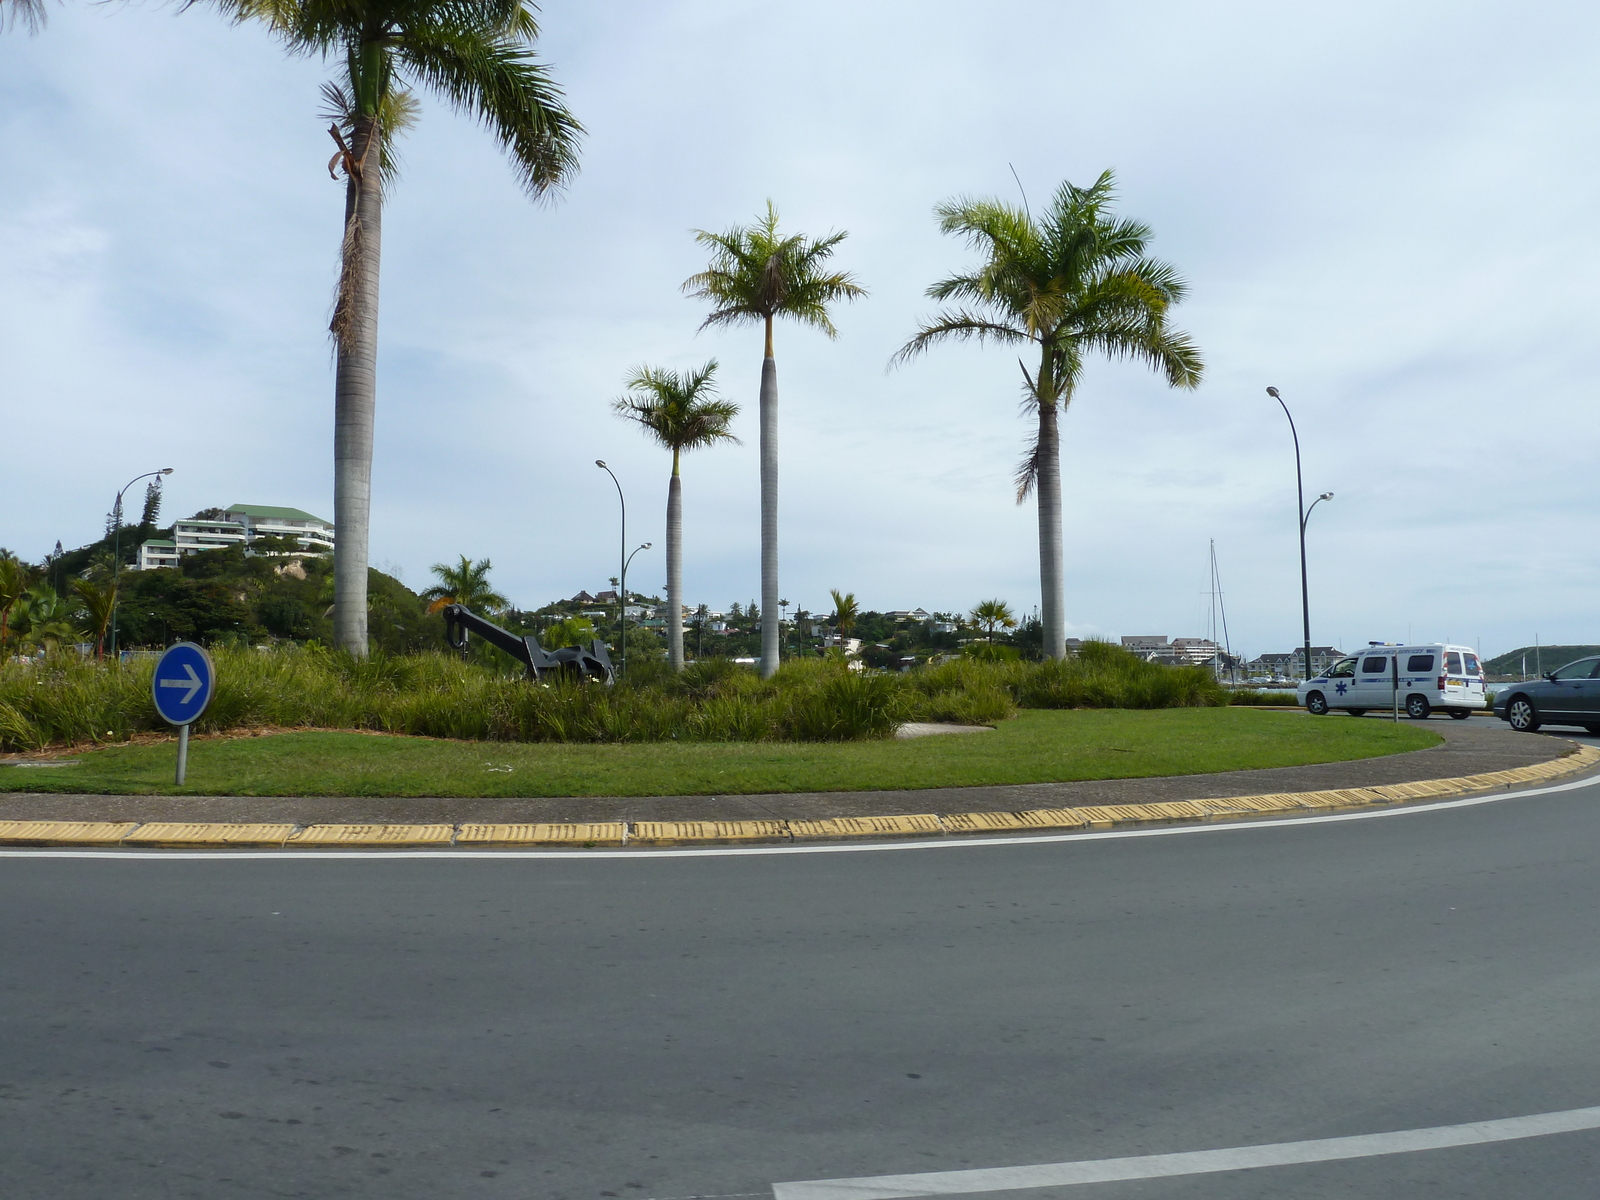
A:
1038	746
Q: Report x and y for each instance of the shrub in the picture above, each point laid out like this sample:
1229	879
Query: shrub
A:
65	699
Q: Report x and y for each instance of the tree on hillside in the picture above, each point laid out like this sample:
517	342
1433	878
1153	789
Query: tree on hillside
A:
845	612
755	275
682	413
992	615
477	54
467	584
1073	283
151	513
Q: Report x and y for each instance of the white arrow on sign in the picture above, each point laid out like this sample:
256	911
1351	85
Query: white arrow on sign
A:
194	683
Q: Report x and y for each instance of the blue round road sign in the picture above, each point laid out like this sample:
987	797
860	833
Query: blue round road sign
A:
183	683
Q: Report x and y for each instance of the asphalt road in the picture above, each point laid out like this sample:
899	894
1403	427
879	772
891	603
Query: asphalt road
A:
709	1025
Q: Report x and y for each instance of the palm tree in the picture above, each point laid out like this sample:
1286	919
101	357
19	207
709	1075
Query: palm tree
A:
100	600
478	55
15	575
845	611
1072	283
682	413
992	615
757	276
466	584
42	618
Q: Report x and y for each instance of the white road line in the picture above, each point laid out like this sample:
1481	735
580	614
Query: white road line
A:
467	854
1200	1162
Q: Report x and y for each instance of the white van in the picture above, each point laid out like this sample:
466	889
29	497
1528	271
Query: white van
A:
1420	678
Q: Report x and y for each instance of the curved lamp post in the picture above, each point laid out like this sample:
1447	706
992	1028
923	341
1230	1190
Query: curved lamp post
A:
116	552
1305	515
622	584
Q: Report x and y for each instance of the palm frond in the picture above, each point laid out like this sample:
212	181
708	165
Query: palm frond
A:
681	411
1075	280
496	78
754	275
29	13
397	112
1027	473
477	54
962	325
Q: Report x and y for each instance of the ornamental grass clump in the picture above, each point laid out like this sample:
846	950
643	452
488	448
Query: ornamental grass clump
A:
66	700
1101	675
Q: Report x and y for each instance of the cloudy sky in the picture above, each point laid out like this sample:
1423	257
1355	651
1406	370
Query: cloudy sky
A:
1386	210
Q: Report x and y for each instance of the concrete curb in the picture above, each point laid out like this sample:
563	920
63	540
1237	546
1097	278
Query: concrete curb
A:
199	835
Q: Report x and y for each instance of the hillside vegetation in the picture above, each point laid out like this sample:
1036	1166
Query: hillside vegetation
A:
1539	659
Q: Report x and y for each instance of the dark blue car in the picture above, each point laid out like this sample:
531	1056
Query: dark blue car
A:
1568	696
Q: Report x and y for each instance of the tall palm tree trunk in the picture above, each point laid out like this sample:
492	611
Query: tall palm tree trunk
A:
1051	586
675	567
769	511
355	326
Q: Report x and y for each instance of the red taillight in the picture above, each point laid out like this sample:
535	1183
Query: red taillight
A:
1442	681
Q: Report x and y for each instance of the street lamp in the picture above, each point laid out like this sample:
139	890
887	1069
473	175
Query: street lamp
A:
622	583
622	608
116	551
1305	515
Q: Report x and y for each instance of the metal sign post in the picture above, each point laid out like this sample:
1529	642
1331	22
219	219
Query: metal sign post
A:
182	685
1394	675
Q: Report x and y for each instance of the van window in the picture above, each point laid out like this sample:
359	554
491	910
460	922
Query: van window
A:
1452	662
1472	665
1419	664
1372	666
1343	669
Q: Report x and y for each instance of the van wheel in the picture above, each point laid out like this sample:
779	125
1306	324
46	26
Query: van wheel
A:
1418	708
1460	714
1521	715
1356	712
1317	704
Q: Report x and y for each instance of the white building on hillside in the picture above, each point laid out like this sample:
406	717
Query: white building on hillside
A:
238	524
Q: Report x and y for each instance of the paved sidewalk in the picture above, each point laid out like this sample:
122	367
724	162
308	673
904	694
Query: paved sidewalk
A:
1472	747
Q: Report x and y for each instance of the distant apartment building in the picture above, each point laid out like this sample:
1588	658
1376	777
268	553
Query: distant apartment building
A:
238	524
1194	650
1145	645
1291	665
1174	651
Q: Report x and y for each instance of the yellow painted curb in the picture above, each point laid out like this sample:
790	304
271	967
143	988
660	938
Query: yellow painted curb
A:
667	833
65	833
373	835
921	824
178	834
1012	822
592	833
